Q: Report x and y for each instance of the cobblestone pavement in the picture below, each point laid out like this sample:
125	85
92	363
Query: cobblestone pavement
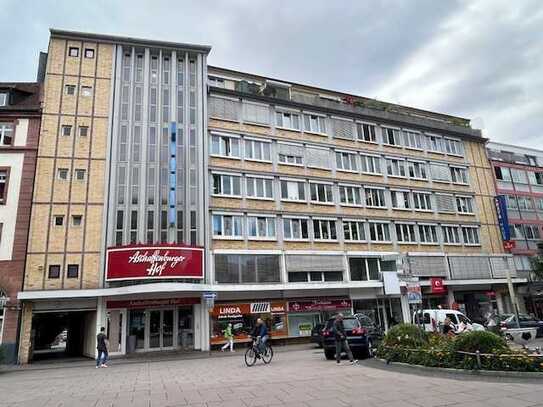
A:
294	378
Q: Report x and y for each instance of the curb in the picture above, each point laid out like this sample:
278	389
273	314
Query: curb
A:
462	372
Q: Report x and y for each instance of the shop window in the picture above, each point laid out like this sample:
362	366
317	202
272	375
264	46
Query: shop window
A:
236	269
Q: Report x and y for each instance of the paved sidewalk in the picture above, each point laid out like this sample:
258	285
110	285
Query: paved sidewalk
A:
299	378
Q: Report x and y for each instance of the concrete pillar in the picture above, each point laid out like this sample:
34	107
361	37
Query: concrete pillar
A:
25	341
450	296
499	302
406	312
201	328
521	301
101	320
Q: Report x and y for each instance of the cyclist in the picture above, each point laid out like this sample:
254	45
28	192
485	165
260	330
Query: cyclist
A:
260	333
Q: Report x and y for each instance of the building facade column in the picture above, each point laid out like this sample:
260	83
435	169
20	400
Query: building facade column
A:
450	297
25	341
406	311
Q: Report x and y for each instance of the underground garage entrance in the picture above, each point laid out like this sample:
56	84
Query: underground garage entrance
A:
60	335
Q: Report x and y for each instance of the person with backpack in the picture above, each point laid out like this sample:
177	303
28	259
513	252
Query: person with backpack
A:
341	340
101	348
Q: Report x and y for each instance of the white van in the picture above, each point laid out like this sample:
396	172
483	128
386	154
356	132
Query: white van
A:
434	319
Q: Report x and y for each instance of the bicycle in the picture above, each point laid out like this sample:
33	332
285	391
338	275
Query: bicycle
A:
253	353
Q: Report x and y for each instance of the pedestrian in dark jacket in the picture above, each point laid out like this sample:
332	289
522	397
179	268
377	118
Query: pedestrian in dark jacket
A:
101	348
341	340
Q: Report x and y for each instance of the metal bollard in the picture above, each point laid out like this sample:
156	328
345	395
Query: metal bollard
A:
478	358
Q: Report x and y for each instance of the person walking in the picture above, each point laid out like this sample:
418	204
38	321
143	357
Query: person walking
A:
341	340
101	347
229	336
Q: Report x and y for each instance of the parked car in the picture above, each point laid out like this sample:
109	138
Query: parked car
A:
316	334
357	337
508	321
375	332
433	319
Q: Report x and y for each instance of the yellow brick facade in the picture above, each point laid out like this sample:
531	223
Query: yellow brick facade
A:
70	243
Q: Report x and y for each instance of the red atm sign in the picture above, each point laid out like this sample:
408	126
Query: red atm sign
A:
154	262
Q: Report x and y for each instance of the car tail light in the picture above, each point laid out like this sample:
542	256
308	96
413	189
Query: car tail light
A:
325	332
503	324
359	331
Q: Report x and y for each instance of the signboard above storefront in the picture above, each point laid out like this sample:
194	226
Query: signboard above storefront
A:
154	262
152	303
437	285
319	305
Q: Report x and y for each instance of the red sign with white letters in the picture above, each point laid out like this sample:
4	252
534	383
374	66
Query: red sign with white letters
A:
322	304
437	285
154	262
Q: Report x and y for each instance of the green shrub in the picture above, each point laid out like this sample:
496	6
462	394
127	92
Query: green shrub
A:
482	341
405	335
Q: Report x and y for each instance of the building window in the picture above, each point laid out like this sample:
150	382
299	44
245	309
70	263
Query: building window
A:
133	227
80	174
76	220
453	147
290	159
54	271
292	190
391	136
435	144
370	164
405	233
428	234
353	231
119	226
245	268
364	269
375	198
225	146
3	102
379	232
228	185
395	167
259	188
83	131
350	195
261	227
314	124
413	139
422	201
451	234
314	276
464	204
288	120
519	176
4	181
321	193
66	130
471	235
73	271
227	226
73	51
417	170
539	203
58	220
89	53
257	150
459	175
400	199
86	91
256	113
346	161
531	232
366	132
6	134
62	174
69	89
324	229
295	229
502	174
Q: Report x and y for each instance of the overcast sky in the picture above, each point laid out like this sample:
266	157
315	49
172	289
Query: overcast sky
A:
481	60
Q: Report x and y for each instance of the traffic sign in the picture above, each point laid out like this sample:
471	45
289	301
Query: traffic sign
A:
209	295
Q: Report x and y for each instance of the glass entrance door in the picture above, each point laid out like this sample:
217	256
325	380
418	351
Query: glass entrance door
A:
167	328
154	329
161	329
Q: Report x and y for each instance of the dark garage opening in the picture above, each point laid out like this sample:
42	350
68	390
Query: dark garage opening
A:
59	335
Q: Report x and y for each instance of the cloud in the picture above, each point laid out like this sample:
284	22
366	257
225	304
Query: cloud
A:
478	59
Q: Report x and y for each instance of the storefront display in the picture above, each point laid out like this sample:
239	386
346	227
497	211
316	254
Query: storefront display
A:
243	317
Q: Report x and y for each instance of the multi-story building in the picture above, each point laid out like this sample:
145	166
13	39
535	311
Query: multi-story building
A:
19	129
518	175
158	182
